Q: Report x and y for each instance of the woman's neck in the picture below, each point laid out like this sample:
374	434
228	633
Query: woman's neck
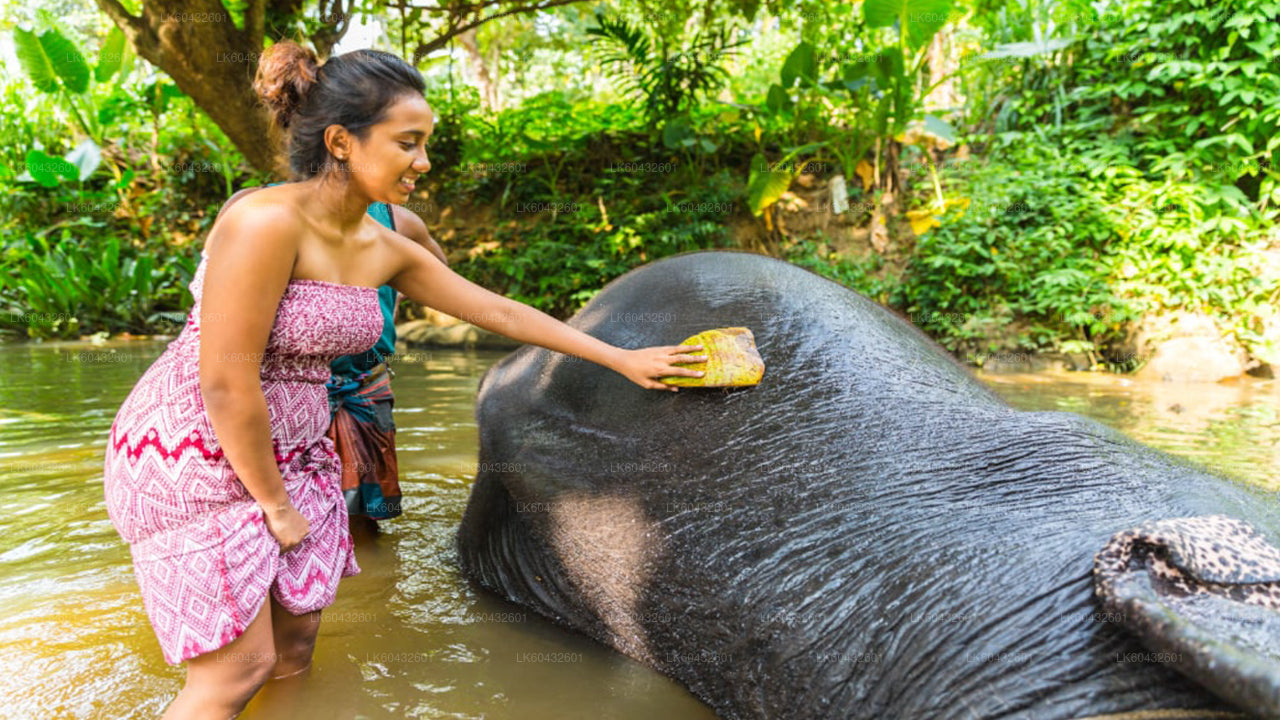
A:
335	204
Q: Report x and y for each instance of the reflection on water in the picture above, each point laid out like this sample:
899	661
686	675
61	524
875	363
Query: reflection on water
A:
1233	428
408	637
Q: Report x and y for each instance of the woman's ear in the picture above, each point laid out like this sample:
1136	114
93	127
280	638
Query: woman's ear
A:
338	140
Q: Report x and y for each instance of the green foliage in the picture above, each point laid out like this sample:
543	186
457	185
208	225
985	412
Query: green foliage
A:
868	275
25	123
111	58
579	192
51	61
849	103
1124	163
102	194
557	264
47	170
1199	87
1023	265
1188	89
54	64
1188	246
667	75
766	183
68	287
919	18
1169	115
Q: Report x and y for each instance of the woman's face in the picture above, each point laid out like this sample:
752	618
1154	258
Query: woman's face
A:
387	163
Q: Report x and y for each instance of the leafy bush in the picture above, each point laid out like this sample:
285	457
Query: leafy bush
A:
70	286
101	239
1167	118
580	193
1198	89
1021	265
1189	246
557	264
1188	89
867	275
668	74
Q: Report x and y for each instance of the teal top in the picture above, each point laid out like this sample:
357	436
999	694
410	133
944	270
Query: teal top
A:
352	365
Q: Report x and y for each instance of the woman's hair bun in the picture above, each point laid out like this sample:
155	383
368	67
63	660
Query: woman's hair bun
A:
286	72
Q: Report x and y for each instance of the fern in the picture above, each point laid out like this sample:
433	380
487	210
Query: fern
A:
667	81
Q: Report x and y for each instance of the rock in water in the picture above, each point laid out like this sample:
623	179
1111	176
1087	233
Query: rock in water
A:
732	359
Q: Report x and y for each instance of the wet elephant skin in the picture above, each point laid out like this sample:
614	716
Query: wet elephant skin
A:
868	533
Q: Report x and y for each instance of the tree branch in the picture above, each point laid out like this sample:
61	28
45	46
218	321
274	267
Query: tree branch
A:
133	27
255	18
460	10
456	26
337	20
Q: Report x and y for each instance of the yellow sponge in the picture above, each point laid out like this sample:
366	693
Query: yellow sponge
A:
732	359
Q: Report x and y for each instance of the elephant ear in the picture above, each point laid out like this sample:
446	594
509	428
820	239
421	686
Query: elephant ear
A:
1202	593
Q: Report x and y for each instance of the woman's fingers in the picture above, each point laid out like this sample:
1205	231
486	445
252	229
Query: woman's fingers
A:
682	354
669	361
686	372
297	542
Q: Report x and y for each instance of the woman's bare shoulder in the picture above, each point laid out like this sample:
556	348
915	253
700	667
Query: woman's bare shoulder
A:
394	251
235	197
264	214
397	239
259	218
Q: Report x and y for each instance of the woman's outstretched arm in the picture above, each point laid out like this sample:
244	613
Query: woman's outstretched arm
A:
424	279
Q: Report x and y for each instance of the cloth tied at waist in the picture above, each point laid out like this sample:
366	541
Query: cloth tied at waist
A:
359	394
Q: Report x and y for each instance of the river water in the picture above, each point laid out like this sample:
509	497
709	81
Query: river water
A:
408	637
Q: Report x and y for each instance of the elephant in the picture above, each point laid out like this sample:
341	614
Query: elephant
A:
869	532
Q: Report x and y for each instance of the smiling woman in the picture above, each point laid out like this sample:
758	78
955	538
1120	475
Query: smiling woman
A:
351	95
219	473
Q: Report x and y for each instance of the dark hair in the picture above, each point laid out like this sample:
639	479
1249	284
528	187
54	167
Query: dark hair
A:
304	97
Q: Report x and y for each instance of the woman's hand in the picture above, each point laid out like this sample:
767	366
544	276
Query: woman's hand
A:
642	365
287	525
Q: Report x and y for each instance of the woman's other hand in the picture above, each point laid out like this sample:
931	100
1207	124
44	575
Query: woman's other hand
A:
287	525
644	365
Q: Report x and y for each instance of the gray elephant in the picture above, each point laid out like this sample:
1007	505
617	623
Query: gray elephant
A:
869	532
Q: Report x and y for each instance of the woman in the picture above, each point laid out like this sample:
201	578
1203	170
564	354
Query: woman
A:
218	472
360	398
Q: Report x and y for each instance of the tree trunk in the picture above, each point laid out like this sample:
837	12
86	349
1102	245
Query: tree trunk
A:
196	43
479	70
942	61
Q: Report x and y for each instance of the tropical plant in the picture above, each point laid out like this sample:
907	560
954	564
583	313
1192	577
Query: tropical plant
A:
55	66
70	289
1023	263
868	99
667	75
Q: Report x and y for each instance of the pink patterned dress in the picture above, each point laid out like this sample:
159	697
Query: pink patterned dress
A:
202	553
